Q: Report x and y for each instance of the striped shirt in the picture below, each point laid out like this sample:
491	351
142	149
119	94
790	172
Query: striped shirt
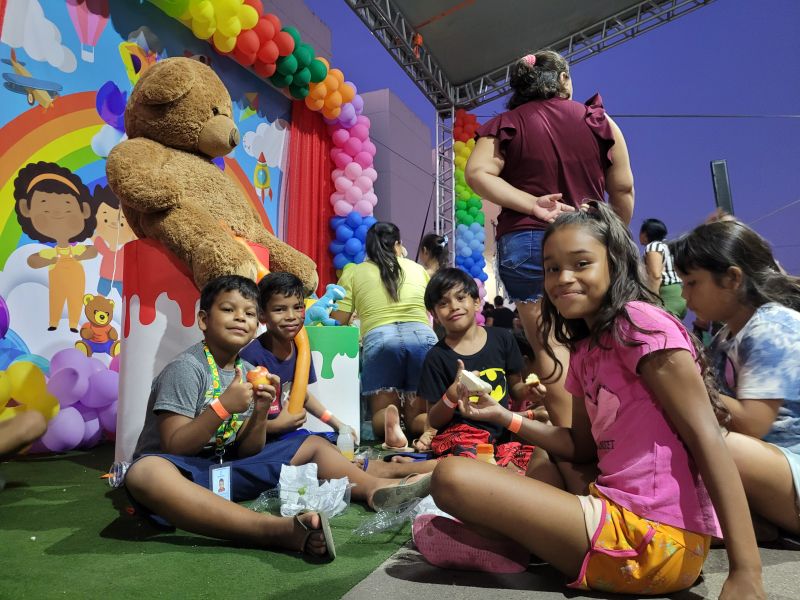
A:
668	274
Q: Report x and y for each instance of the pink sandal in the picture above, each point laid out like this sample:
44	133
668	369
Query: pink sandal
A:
450	544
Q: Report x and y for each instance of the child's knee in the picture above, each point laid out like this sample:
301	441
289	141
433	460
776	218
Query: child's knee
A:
447	477
142	474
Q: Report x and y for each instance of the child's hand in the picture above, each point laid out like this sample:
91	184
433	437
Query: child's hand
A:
533	392
742	585
238	396
265	394
287	421
455	390
485	409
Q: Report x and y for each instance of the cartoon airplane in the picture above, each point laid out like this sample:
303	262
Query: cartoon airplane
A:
21	82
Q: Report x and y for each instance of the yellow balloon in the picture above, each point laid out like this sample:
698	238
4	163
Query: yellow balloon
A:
248	16
471	143
202	10
9	413
229	27
224	43
27	382
5	390
458	146
47	404
202	31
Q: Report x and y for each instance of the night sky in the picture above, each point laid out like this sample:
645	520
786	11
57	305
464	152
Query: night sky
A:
733	57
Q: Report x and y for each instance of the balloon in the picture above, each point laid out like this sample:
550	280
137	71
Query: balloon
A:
363	207
336	221
352	146
363	183
358	103
39	361
336	173
342	208
343	233
336	197
359	131
370	221
92	433
65	431
69	358
339	138
353	220
103	389
353	170
361	231
342	184
318	70
285	43
370	147
353	246
371	173
336	247
69	385
268	52
339	261
108	417
353	194
371	198
364	159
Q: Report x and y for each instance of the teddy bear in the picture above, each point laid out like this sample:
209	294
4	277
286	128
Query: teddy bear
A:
178	118
98	335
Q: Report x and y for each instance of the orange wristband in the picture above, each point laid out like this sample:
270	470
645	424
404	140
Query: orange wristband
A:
447	402
326	416
217	407
516	423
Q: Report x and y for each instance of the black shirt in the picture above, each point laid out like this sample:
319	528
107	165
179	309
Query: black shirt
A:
498	358
503	317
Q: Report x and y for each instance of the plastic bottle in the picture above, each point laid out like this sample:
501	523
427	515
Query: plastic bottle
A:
345	443
486	454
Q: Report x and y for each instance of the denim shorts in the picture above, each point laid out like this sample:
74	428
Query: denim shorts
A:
392	357
520	256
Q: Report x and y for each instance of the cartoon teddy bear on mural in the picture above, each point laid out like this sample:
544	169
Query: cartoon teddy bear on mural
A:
54	206
98	335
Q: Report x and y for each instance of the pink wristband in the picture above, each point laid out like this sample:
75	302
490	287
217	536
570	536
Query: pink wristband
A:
447	402
326	416
516	423
217	407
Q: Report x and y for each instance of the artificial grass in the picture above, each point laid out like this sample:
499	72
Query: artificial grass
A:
64	533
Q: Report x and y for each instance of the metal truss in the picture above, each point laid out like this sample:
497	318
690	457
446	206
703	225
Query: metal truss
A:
392	30
445	183
579	46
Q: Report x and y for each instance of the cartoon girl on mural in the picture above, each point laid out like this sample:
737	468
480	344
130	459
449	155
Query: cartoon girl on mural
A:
112	233
53	205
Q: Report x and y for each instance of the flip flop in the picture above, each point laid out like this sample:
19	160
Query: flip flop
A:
325	526
450	544
385	446
395	495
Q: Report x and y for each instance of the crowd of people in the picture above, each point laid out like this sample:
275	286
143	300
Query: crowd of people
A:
633	450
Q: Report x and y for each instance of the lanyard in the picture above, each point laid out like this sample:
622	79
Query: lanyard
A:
228	427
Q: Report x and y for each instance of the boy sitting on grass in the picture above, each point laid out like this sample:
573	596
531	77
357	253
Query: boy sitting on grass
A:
201	413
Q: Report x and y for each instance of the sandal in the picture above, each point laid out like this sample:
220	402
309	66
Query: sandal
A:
325	527
395	495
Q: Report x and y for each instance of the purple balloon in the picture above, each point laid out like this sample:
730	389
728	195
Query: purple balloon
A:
97	365
71	357
69	385
5	318
358	103
108	417
64	431
103	389
92	433
87	413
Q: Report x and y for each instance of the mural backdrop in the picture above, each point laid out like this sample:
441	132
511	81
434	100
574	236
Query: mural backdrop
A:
68	67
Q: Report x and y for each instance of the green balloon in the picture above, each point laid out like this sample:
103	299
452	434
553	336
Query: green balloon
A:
468	219
298	91
473	211
302	78
294	33
461	205
461	215
304	54
281	81
318	70
480	218
287	65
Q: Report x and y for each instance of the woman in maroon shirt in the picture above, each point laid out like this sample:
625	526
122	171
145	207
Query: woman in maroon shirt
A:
547	154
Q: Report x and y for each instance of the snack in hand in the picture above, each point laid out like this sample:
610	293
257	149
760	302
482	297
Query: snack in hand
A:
532	379
258	376
473	383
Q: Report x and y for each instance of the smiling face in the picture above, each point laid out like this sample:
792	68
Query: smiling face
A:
231	322
55	215
284	316
113	227
577	275
456	310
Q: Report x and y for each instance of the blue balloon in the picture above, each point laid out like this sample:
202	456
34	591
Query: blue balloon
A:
466	251
336	221
353	246
483	276
353	220
461	228
468	262
11	346
369	221
336	247
476	227
475	271
359	258
361	232
467	236
343	233
476	245
339	261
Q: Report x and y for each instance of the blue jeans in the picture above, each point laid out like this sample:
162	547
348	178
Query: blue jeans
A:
392	357
520	256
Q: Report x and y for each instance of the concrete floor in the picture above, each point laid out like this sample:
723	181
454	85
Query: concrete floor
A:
407	576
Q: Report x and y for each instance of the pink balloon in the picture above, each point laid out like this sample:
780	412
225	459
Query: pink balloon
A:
364	120
371	173
340	136
371	198
92	433
108	417
68	384
363	208
336	173
342	159
352	146
353	170
71	357
342	208
342	184
64	431
103	389
363	183
353	195
114	364
364	159
480	319
359	131
336	197
336	152
368	146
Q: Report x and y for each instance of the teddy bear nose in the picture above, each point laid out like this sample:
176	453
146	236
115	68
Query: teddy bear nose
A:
233	138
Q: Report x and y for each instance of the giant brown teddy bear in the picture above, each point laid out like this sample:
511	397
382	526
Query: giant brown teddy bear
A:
178	118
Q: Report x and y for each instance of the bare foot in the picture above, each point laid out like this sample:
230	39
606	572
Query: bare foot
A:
392	434
423	444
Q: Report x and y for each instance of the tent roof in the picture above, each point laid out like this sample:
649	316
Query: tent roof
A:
468	45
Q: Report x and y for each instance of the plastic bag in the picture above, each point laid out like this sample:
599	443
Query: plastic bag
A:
299	489
397	516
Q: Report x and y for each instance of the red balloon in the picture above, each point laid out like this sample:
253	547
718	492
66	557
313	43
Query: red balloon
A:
265	69
285	43
264	29
268	53
257	5
248	43
243	58
276	22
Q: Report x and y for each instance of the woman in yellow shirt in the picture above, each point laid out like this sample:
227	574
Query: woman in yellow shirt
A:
387	291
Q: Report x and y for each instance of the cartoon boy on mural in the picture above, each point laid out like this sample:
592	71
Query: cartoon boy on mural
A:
53	205
112	233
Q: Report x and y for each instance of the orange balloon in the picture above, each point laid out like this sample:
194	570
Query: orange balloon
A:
333	100
331	83
331	113
324	61
337	74
314	104
347	92
297	397
318	91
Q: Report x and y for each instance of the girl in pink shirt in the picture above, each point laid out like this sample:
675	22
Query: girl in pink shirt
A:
641	410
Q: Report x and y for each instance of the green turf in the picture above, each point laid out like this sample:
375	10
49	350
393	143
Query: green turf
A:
65	534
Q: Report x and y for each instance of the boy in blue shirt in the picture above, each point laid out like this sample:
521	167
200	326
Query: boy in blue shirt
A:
201	413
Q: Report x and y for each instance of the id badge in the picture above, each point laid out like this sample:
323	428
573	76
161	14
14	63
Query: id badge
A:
219	477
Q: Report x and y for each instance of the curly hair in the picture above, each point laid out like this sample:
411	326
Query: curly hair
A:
52	178
537	80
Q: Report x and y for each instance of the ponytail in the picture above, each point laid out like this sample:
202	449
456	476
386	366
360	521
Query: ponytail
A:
381	240
436	246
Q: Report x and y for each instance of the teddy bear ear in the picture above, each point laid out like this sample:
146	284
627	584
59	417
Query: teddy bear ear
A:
170	82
